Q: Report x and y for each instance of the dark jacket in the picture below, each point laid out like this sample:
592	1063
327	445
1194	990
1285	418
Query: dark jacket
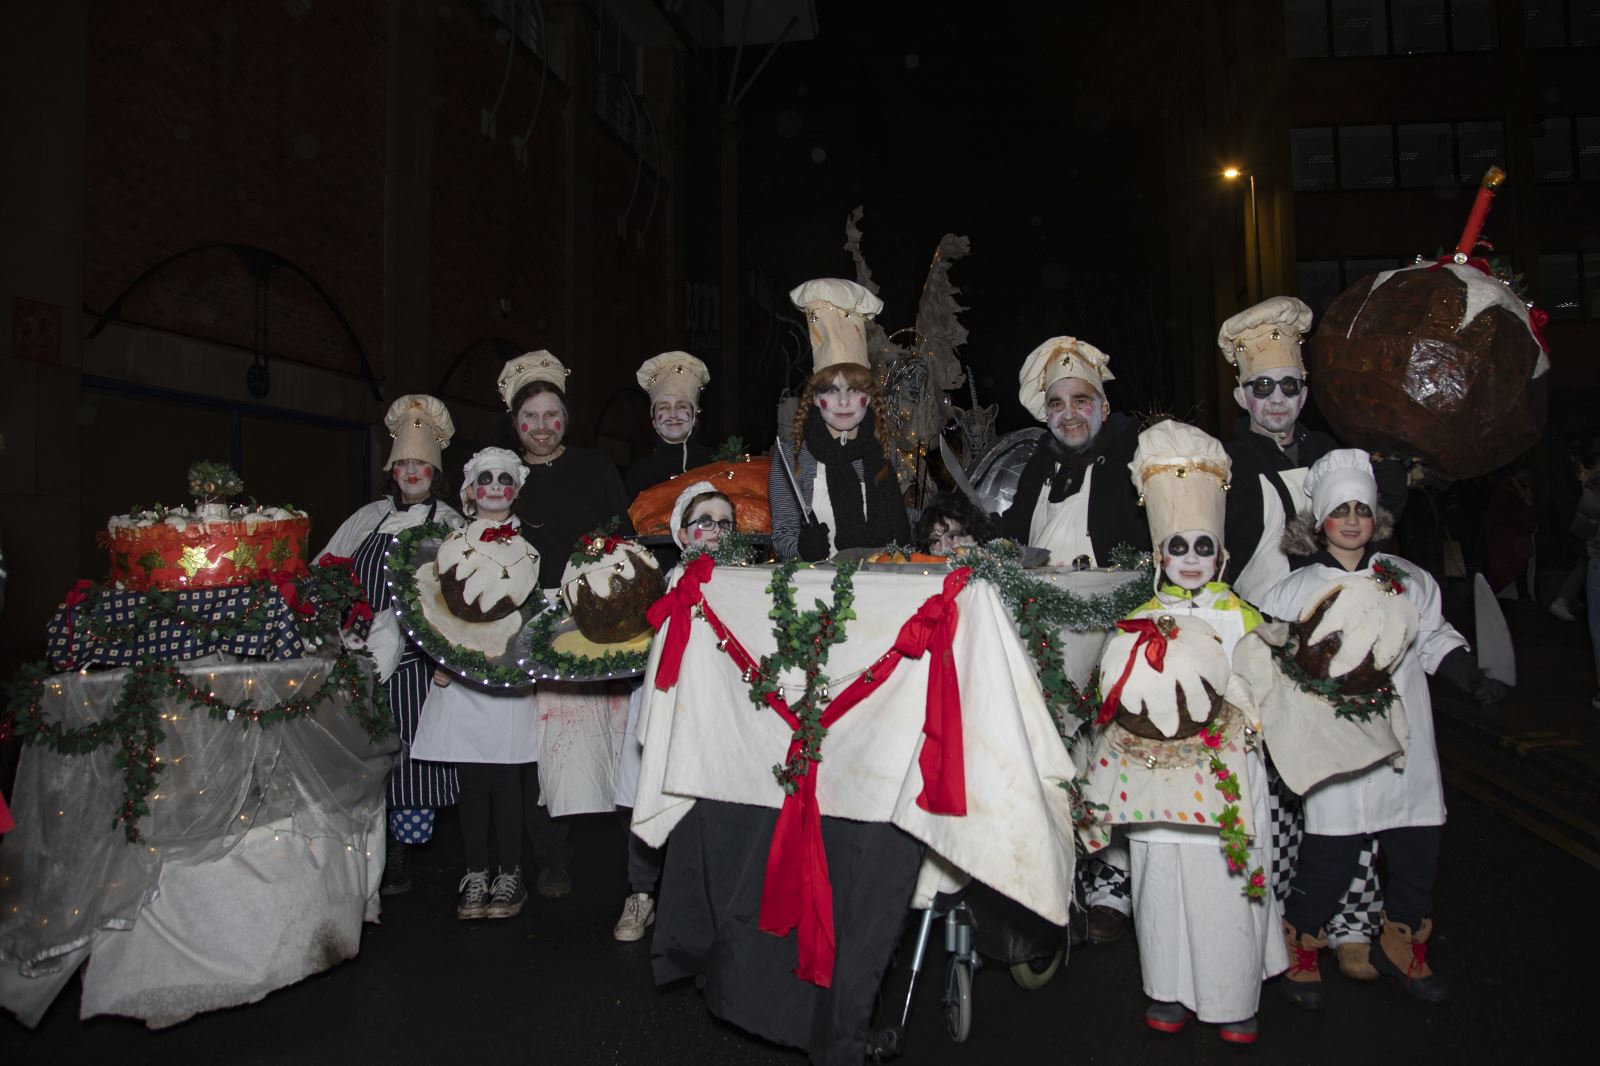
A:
1257	458
1115	517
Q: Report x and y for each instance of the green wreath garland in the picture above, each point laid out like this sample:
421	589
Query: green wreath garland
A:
135	723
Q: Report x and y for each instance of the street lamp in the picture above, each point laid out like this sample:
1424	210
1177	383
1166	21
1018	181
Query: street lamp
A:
1254	258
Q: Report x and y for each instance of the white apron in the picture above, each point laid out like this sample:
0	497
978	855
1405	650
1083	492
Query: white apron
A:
1383	797
1063	527
463	722
1269	565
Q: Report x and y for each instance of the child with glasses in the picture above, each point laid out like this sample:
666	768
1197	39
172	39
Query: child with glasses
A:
701	517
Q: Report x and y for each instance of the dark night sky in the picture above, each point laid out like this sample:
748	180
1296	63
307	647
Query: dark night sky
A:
1037	135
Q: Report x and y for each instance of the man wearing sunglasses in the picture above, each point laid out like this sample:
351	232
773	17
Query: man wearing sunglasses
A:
1271	450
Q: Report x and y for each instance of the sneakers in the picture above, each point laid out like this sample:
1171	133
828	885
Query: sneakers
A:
1244	1032
1166	1017
396	870
638	914
473	902
1562	611
554	882
507	895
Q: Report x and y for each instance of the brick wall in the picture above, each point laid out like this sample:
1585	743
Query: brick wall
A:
249	123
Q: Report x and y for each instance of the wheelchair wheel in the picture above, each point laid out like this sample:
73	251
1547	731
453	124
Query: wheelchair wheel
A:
958	1001
1036	973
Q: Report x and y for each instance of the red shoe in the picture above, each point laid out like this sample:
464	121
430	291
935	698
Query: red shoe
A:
1239	1032
1166	1017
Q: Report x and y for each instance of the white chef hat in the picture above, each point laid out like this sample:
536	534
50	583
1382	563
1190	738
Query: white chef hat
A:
836	312
1057	358
1182	476
421	428
699	488
1342	475
673	375
495	459
531	366
1193	654
1266	336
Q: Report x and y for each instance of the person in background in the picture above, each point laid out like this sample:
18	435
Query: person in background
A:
674	381
417	492
949	522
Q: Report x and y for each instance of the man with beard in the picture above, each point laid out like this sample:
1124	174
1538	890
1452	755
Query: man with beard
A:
1271	451
1075	498
674	381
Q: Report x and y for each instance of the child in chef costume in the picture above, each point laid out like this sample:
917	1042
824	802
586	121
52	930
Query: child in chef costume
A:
700	518
1208	928
490	734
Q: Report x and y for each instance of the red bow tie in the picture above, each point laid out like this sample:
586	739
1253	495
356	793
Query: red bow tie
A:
502	532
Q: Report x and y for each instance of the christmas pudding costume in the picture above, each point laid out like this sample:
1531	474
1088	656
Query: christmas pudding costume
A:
1176	763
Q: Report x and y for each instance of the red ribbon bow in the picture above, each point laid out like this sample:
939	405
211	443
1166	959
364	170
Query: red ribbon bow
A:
76	597
932	630
285	583
1154	643
675	607
496	534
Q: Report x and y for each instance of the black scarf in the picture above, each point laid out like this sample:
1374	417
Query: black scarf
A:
885	519
1068	465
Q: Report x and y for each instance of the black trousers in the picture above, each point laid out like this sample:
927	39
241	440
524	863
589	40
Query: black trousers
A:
644	862
490	796
549	836
1326	864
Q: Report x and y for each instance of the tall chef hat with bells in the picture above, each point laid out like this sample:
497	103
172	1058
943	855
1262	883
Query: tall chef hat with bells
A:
1057	358
531	366
1182	476
1342	475
496	459
1266	336
673	376
836	313
421	428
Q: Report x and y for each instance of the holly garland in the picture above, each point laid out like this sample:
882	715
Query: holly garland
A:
541	633
1235	841
134	725
325	599
1352	707
1041	609
803	639
1389	576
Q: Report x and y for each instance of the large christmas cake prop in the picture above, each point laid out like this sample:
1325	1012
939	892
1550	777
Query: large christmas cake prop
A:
743	480
213	545
473	592
608	585
1439	360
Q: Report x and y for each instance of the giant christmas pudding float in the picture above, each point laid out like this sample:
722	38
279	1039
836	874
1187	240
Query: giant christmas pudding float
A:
608	584
1441	360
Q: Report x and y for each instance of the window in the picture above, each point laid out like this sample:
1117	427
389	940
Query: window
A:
1313	159
1427	156
520	18
1479	146
1305	24
1552	151
1360	27
1561	23
1366	157
1588	144
1419	26
1316	29
1318	282
1560	291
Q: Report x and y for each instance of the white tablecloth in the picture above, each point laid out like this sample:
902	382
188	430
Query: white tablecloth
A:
259	861
705	739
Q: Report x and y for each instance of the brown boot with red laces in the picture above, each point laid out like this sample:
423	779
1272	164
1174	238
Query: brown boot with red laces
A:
1403	955
1302	982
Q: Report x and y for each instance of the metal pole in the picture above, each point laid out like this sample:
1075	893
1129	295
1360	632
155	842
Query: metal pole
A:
1255	235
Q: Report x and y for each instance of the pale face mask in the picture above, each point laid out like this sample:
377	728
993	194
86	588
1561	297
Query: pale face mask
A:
1074	412
493	493
706	524
673	419
1191	558
1276	412
415	479
842	407
541	425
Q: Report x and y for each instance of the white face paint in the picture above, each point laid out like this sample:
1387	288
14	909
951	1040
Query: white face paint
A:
493	493
1190	558
541	425
415	479
1074	411
705	524
842	407
673	419
1275	413
1350	526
